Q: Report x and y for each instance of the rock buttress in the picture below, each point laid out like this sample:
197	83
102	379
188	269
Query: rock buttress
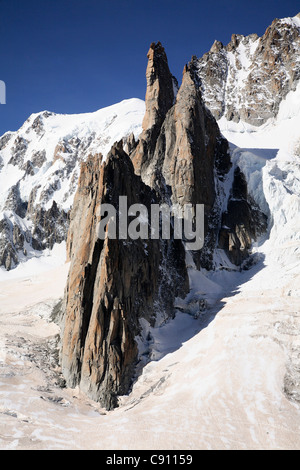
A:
113	283
159	99
187	158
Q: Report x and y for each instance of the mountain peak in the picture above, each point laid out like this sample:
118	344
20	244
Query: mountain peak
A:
248	79
160	93
39	167
216	47
157	48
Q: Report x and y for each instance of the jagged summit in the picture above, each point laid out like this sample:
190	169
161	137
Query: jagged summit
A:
160	95
216	47
248	78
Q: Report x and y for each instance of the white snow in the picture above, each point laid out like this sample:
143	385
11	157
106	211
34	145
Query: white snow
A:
63	142
104	127
215	380
295	21
41	262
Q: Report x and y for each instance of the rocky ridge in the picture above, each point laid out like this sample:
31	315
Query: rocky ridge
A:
189	163
39	171
180	158
173	153
113	283
248	78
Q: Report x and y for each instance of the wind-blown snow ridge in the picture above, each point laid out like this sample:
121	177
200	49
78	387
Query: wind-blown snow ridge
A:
294	21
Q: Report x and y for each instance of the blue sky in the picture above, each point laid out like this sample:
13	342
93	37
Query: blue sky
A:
74	56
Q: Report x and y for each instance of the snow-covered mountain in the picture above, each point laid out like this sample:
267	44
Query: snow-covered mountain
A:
182	156
39	170
219	380
224	373
243	84
247	79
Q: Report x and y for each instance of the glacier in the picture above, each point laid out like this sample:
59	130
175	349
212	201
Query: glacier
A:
225	377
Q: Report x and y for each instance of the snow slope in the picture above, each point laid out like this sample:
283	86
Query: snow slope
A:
78	134
269	156
226	377
247	78
216	382
40	165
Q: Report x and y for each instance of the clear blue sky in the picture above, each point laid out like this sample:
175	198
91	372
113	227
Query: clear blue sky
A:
73	56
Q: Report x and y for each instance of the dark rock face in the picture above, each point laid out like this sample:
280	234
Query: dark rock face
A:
38	158
14	201
4	140
12	236
160	91
8	255
18	152
113	283
49	227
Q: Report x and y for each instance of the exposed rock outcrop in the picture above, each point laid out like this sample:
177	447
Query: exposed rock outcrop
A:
18	151
159	99
160	90
8	254
113	283
242	222
14	201
180	158
249	77
49	227
39	170
187	158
